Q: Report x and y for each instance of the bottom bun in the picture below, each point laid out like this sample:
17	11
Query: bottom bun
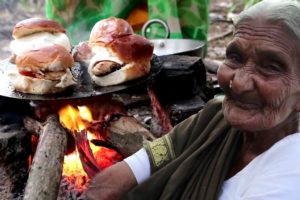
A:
126	73
32	85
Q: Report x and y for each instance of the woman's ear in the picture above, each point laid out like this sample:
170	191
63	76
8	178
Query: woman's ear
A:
297	104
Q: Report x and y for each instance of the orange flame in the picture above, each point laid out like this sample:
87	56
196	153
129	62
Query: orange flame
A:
75	120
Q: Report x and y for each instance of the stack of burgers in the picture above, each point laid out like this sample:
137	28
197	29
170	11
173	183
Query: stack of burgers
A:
41	52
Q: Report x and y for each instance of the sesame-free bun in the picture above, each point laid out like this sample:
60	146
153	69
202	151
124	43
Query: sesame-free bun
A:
104	31
34	25
50	58
113	40
134	52
131	48
31	85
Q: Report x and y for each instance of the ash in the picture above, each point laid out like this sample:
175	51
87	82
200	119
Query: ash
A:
143	114
72	187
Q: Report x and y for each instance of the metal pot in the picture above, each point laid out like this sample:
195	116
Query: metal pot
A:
168	46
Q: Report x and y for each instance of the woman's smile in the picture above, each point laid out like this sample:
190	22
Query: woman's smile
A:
244	105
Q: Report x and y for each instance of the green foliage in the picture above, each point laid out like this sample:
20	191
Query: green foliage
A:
24	4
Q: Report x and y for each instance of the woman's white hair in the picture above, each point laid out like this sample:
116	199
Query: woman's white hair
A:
277	11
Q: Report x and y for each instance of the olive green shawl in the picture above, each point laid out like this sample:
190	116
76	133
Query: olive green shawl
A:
203	147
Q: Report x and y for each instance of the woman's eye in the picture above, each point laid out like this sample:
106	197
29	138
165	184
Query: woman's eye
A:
236	58
273	68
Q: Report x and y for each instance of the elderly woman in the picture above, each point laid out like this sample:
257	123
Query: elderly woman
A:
246	147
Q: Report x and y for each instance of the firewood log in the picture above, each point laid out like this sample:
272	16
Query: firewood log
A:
127	135
46	170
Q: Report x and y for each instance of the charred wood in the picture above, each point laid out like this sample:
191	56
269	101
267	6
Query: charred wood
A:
182	109
143	114
87	158
33	126
161	123
132	99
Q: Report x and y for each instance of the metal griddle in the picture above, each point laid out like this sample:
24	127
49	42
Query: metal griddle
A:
83	89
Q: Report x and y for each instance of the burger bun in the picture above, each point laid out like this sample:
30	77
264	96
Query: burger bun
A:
37	86
107	30
34	25
50	58
126	73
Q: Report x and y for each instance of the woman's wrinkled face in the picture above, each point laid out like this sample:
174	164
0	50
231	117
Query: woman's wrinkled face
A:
260	76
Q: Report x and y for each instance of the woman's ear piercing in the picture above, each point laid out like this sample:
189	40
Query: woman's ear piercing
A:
230	84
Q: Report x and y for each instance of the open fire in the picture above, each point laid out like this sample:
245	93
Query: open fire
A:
101	122
87	158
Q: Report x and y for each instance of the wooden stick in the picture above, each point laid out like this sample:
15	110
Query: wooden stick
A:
46	170
33	126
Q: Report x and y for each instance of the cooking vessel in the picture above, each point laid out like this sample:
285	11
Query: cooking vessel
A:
168	46
83	89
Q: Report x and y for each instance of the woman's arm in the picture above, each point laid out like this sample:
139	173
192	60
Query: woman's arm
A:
112	183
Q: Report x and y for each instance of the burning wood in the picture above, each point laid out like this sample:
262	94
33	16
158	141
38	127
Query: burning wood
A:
76	121
160	116
127	135
118	133
79	122
87	158
46	170
102	137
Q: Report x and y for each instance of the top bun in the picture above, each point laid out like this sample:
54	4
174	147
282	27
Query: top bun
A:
131	48
34	25
107	30
51	58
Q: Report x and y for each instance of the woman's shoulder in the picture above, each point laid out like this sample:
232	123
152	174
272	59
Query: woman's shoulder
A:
285	151
214	103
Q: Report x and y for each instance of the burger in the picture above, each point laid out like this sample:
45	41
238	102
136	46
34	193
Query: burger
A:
35	33
118	55
43	71
41	52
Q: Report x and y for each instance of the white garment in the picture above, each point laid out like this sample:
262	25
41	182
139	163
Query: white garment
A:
140	165
273	175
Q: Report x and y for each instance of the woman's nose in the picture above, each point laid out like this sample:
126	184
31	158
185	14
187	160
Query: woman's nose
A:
242	81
